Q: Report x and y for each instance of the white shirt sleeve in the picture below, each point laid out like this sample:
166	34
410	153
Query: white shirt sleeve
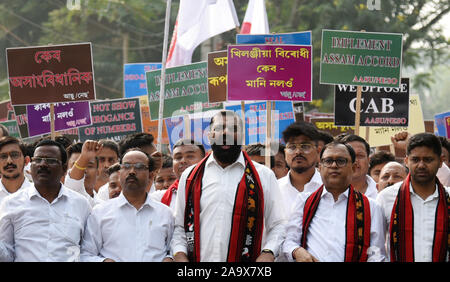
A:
377	249
6	235
179	243
92	240
294	228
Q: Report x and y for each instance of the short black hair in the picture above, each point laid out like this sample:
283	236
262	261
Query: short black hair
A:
337	143
136	140
300	128
259	149
62	150
110	144
325	136
74	149
167	161
191	141
424	140
7	140
151	161
64	140
380	157
444	143
352	138
114	168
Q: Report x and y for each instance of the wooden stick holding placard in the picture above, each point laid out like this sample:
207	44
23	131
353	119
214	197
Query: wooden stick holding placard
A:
268	132
52	121
187	127
358	106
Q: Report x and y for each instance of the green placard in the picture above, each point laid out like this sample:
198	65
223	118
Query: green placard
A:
186	90
12	127
361	58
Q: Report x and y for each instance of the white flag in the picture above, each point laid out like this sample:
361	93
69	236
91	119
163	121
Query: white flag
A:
255	20
198	20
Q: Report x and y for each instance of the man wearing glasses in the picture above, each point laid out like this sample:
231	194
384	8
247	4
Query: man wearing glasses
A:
131	227
335	223
44	222
12	163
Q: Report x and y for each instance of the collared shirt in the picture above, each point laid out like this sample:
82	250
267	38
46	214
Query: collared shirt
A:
32	229
158	194
116	230
4	193
326	236
371	191
290	193
103	193
219	186
424	219
78	186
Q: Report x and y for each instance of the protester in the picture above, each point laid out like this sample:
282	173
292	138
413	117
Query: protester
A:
391	173
165	177
278	164
377	161
416	209
226	183
13	160
114	187
281	167
108	155
336	222
445	150
131	227
257	153
186	152
83	169
324	138
44	222
361	181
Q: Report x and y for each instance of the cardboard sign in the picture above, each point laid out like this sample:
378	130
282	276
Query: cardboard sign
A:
217	76
12	127
381	136
380	106
113	119
299	38
361	58
270	72
328	125
151	126
134	81
50	74
255	120
186	91
199	130
440	123
6	111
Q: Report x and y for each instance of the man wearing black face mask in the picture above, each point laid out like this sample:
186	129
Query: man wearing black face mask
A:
225	201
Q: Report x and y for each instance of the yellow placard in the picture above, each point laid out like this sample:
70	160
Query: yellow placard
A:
381	136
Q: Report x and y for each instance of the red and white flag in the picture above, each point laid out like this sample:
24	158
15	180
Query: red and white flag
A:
255	20
197	21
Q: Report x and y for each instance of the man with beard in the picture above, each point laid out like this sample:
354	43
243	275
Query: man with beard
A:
416	210
336	223
186	152
12	163
225	201
131	227
44	222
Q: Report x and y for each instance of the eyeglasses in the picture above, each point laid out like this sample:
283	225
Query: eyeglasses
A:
303	147
137	166
340	162
49	161
14	155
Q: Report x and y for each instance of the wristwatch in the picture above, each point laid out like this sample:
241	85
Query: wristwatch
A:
267	251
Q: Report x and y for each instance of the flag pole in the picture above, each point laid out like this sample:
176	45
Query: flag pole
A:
163	75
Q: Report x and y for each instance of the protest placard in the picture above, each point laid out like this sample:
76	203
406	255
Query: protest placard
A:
12	127
151	126
134	81
270	72
255	120
328	125
300	38
440	123
361	58
217	76
199	128
6	111
186	91
113	119
50	74
380	106
380	136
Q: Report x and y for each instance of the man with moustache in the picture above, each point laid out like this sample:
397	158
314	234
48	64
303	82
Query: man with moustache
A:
391	173
131	227
225	202
416	210
186	152
12	163
114	187
46	221
336	223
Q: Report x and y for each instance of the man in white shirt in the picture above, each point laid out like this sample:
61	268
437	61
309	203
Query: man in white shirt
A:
12	163
131	227
416	209
44	222
361	180
210	223
335	223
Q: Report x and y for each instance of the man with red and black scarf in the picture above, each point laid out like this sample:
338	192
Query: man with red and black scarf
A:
416	210
336	223
226	201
